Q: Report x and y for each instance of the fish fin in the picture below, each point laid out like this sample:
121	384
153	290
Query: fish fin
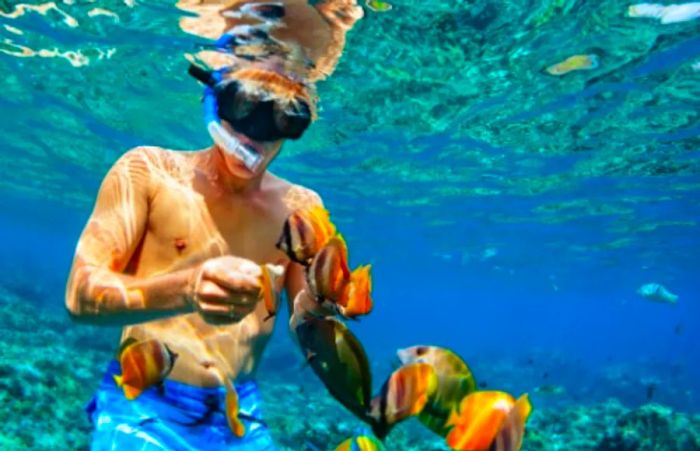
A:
125	344
523	407
130	392
118	379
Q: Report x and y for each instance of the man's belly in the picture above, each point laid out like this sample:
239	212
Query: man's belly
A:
206	353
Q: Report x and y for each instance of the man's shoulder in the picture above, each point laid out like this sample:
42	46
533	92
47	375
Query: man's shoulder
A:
296	196
152	159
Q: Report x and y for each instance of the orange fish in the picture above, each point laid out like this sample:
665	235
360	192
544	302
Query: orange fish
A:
268	275
328	275
330	278
481	420
404	394
234	422
356	299
305	232
144	364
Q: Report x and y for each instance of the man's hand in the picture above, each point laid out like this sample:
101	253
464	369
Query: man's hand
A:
225	289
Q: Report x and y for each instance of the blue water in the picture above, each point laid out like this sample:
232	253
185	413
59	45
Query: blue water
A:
508	214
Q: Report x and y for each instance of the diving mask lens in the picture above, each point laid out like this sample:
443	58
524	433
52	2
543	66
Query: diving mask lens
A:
261	120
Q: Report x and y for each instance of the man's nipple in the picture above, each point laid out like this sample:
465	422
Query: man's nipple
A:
180	245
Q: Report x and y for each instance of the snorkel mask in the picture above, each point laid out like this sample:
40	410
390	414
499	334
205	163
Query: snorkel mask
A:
259	117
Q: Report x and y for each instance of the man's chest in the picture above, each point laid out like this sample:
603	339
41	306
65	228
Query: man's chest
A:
194	228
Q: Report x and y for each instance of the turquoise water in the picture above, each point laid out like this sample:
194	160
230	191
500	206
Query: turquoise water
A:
508	213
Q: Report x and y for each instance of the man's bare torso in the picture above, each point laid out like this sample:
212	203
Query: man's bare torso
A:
192	218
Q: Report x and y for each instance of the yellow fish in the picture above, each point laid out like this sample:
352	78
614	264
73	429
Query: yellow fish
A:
488	420
268	276
234	423
144	364
361	443
572	63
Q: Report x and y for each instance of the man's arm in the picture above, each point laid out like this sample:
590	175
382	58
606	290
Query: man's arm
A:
97	291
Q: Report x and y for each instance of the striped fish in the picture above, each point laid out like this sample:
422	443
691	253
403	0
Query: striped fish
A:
144	364
305	232
404	394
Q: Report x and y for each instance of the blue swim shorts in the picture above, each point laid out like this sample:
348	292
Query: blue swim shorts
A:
176	417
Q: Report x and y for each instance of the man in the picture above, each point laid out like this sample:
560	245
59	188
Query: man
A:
174	247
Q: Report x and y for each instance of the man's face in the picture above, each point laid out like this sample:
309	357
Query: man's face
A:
268	150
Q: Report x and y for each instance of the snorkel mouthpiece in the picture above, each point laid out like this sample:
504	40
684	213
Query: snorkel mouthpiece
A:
228	142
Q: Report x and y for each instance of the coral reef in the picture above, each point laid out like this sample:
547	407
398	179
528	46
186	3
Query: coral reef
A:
50	366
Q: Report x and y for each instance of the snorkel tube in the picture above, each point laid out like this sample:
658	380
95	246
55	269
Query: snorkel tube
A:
228	143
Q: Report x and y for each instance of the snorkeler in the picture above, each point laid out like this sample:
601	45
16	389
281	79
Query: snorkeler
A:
177	244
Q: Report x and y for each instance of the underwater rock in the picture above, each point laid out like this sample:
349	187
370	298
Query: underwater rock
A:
651	427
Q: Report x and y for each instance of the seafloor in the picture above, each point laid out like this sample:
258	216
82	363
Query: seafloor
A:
49	367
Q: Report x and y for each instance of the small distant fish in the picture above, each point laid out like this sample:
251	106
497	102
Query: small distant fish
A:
489	420
305	232
572	63
404	394
657	292
651	389
666	13
361	443
550	389
144	364
378	6
268	276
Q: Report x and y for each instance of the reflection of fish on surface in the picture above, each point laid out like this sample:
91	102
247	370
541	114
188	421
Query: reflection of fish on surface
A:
144	364
657	292
378	6
455	381
666	13
361	443
489	420
572	63
550	389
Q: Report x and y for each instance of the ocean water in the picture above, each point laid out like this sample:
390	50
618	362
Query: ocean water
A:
509	214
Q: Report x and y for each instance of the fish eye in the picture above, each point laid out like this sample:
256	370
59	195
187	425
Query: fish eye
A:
421	350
